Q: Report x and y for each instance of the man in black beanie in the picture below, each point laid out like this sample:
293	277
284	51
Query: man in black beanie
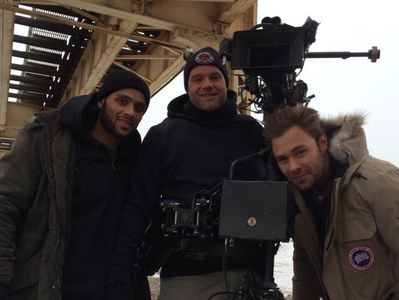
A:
189	152
62	191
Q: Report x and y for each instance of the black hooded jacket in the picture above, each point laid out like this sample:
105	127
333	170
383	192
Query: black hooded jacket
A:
61	195
191	150
99	186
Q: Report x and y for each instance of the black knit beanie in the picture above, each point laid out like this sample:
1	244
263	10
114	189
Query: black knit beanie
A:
121	79
203	57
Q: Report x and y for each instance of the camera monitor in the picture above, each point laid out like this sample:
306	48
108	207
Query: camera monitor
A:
279	49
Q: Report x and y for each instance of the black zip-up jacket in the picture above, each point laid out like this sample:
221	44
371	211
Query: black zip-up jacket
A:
191	150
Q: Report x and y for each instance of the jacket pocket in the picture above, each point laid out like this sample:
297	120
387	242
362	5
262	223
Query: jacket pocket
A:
356	230
27	275
27	263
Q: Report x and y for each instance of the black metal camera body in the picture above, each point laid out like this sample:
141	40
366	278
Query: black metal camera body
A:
269	47
254	210
270	54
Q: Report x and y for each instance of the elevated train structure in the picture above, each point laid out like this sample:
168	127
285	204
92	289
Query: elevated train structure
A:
55	49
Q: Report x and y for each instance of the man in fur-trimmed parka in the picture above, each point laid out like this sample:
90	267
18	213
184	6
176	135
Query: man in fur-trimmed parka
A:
346	242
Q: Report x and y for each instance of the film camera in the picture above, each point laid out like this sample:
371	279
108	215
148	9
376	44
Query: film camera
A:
234	209
271	54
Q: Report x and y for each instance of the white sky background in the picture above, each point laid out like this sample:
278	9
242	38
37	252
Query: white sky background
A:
341	86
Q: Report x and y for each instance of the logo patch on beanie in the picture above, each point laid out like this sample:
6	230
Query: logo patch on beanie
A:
361	258
204	58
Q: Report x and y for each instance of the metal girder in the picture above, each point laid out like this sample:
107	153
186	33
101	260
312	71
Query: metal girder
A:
45	70
47	58
32	80
195	36
28	87
150	71
230	13
169	73
145	57
28	96
94	6
45	24
147	37
44	43
6	34
99	55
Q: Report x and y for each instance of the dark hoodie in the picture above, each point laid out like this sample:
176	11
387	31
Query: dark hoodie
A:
99	186
199	146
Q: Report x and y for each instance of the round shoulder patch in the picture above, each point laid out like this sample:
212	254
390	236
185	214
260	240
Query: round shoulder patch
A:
204	58
361	258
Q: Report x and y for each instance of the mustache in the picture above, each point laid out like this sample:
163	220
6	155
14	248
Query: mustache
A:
132	120
297	174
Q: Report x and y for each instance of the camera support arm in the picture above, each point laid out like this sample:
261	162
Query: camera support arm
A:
373	54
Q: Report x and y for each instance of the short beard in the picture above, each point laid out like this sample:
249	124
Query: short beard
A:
108	125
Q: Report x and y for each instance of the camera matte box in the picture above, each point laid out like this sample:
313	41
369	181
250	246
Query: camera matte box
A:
268	50
254	210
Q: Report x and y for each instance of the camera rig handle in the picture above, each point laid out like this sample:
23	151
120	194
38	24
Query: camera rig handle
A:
373	54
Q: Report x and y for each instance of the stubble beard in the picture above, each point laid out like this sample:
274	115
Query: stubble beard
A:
109	126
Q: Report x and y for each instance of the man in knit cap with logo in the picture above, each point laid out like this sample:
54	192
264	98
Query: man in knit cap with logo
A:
191	151
62	191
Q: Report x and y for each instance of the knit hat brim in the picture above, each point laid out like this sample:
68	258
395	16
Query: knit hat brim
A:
204	57
121	79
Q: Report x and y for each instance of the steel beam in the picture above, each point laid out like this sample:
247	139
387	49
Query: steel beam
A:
6	34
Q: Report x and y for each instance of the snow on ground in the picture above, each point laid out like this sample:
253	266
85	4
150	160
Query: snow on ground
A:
283	271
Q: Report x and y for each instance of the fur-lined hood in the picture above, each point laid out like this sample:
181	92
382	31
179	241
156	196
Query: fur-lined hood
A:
347	140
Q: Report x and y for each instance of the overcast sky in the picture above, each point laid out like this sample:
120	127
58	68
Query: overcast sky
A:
340	86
